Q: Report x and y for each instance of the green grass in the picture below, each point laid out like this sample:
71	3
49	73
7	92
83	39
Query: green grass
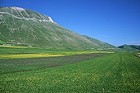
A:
12	52
112	73
40	55
26	64
138	54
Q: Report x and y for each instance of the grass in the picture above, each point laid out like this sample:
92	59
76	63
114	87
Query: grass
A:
26	64
112	73
138	54
13	56
12	52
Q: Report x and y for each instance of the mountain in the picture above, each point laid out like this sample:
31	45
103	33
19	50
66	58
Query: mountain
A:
25	27
130	47
99	45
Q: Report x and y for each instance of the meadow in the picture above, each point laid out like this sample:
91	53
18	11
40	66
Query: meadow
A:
12	52
71	73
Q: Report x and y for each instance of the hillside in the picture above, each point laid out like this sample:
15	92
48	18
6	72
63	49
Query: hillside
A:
25	27
130	47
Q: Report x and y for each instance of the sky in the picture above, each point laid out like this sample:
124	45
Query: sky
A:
113	21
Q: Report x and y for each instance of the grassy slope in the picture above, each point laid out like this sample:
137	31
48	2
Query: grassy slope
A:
112	73
16	30
130	48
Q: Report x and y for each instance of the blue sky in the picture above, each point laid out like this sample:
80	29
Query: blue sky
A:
114	21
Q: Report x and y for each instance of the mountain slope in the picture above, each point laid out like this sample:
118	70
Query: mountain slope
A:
20	26
130	47
99	45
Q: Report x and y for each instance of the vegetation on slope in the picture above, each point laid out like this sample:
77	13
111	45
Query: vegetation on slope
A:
130	48
28	28
1	42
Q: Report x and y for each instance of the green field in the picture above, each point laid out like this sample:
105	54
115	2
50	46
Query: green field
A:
12	52
78	73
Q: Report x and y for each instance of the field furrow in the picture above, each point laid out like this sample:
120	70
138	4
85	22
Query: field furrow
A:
113	73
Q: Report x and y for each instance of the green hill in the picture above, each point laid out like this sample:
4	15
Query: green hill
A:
130	47
24	27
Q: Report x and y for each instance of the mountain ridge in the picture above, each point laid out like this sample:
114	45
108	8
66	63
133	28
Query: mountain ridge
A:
29	28
130	48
